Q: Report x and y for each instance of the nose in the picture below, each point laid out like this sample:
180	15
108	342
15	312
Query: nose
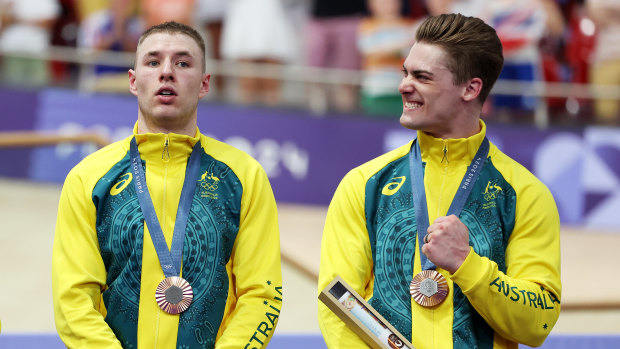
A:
167	71
405	86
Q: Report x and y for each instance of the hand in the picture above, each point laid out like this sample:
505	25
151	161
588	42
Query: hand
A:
447	243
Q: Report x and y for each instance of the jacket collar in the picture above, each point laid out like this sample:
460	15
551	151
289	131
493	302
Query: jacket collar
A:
452	149
154	144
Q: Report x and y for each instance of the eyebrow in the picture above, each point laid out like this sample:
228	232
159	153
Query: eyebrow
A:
176	54
418	71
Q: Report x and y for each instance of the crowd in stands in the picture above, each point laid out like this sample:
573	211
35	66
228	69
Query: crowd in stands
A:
563	41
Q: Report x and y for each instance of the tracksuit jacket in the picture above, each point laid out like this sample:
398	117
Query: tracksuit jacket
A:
508	289
106	270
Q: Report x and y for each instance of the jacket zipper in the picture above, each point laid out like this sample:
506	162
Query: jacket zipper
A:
445	153
444	164
165	156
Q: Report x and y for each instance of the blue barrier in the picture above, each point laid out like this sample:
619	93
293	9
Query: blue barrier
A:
315	341
580	342
52	341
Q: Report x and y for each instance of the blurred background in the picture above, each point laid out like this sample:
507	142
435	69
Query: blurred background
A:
309	88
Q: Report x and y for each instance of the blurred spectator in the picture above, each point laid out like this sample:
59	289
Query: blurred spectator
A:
552	55
331	36
258	32
114	27
25	26
465	7
87	7
520	25
580	40
579	44
154	12
210	17
384	39
415	9
605	64
64	33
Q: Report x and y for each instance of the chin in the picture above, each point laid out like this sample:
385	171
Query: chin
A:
408	122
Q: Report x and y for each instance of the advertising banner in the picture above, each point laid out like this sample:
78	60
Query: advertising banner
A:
19	110
306	156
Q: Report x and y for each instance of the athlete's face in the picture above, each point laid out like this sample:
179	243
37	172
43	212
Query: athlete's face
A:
168	80
430	98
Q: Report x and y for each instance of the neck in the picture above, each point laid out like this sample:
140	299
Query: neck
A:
458	130
188	129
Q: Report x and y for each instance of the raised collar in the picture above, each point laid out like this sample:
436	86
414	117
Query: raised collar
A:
165	145
452	149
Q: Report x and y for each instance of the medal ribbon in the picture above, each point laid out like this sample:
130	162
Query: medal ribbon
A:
170	260
416	168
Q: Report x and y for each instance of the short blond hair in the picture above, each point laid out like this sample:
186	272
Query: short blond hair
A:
172	27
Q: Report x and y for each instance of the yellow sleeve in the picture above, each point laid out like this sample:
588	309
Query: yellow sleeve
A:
256	269
78	272
523	304
345	251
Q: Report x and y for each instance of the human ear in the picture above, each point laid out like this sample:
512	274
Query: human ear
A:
472	89
132	82
204	85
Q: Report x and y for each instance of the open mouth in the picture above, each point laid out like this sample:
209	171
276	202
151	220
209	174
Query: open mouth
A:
166	95
413	105
166	92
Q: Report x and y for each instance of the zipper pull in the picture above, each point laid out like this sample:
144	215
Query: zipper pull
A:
165	154
445	153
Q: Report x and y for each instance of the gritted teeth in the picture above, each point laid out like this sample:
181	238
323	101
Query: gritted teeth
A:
413	105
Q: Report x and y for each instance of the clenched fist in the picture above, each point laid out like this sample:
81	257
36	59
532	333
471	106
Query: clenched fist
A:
447	243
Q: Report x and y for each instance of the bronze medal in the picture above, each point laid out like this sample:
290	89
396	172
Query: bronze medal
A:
174	295
429	288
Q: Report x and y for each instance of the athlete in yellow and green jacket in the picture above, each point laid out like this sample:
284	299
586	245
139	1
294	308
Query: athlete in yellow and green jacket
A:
105	269
500	256
104	256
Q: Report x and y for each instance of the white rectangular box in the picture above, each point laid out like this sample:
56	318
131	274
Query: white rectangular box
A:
361	317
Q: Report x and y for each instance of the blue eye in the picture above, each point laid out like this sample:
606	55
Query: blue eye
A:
183	64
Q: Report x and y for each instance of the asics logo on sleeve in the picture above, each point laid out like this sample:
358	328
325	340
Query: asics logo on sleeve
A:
392	187
121	184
